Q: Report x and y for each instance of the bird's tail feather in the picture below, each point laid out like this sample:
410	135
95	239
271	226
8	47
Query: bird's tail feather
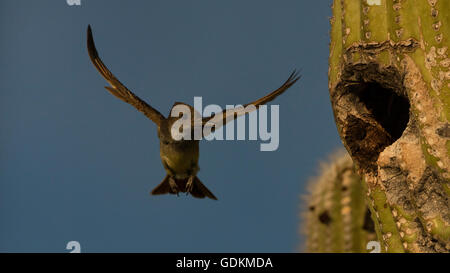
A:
198	190
163	187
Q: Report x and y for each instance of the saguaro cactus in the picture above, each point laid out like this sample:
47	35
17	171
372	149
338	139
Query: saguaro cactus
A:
335	216
389	84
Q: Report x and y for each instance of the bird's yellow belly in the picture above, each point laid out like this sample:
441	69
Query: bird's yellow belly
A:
180	161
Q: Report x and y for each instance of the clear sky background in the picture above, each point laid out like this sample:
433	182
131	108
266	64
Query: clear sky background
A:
78	164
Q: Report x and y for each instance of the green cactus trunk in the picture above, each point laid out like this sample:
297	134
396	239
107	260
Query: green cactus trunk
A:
389	83
336	218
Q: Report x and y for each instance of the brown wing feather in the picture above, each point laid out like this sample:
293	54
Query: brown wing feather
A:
294	77
117	88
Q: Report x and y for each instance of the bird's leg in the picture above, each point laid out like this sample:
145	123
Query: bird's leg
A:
190	184
173	185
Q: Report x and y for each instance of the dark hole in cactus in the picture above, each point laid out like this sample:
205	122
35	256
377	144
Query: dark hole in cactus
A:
388	108
368	222
382	116
325	218
312	208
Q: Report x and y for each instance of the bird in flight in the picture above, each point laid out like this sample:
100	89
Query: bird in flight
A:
179	157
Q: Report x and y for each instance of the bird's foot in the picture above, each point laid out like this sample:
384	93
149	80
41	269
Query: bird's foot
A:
190	185
173	186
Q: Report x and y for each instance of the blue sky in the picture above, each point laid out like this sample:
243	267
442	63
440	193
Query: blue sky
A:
78	164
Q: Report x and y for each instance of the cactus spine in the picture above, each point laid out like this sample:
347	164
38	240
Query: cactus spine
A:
389	83
336	217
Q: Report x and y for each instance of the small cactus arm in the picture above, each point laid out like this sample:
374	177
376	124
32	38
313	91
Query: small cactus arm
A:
335	215
389	84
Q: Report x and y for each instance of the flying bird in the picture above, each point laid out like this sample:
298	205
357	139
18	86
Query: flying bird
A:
179	157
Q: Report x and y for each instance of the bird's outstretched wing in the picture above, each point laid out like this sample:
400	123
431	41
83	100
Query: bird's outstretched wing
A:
117	88
226	116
